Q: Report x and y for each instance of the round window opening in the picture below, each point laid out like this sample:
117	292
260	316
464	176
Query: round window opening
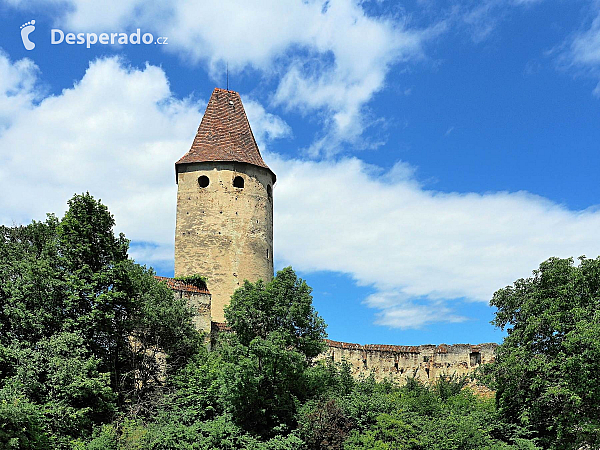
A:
269	191
238	182
203	181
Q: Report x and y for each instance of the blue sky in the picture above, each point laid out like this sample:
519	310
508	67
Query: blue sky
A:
428	153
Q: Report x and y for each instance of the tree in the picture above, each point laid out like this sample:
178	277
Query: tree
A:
21	424
80	323
282	306
277	332
546	369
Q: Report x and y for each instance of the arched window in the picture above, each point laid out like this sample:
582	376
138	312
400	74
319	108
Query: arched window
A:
203	181
269	191
238	182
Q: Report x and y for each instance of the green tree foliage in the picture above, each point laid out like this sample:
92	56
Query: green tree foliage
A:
361	415
80	326
282	306
447	386
197	414
264	383
259	389
195	280
95	354
277	332
251	385
414	416
325	424
21	423
547	366
196	391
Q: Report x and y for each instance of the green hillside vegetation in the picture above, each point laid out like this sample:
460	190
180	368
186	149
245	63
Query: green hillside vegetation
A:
96	354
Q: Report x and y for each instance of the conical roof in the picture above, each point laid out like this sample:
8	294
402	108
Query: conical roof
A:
224	133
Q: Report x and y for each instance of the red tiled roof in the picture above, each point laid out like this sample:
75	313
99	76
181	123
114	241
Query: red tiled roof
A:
224	133
177	285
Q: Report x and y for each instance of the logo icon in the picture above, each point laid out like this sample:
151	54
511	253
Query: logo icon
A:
26	29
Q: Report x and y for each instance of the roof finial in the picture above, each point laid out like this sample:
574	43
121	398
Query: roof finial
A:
228	75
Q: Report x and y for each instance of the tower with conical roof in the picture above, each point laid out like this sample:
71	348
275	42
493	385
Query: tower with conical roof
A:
224	225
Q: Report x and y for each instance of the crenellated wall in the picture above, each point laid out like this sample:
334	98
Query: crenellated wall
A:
398	362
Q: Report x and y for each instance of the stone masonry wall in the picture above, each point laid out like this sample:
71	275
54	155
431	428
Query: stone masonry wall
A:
223	232
424	362
200	303
198	299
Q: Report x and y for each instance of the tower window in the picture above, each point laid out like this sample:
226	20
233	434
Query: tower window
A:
238	182
269	191
203	181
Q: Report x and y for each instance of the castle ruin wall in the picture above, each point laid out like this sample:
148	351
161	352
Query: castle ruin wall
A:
398	363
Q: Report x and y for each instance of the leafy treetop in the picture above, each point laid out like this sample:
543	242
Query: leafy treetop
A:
283	305
80	326
546	368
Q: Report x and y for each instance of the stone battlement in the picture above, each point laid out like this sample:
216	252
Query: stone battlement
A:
400	362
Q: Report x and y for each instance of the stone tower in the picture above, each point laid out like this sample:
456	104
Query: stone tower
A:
224	225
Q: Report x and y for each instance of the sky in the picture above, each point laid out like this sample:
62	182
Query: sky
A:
427	152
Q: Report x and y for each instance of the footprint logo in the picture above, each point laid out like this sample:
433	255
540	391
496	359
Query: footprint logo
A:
26	30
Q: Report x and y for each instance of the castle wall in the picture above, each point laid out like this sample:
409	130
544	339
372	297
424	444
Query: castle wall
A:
199	299
396	362
223	232
200	304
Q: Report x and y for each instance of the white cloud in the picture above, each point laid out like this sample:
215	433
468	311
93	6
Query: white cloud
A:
582	51
410	243
329	56
364	49
401	311
116	133
17	87
585	47
265	126
407	316
483	18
